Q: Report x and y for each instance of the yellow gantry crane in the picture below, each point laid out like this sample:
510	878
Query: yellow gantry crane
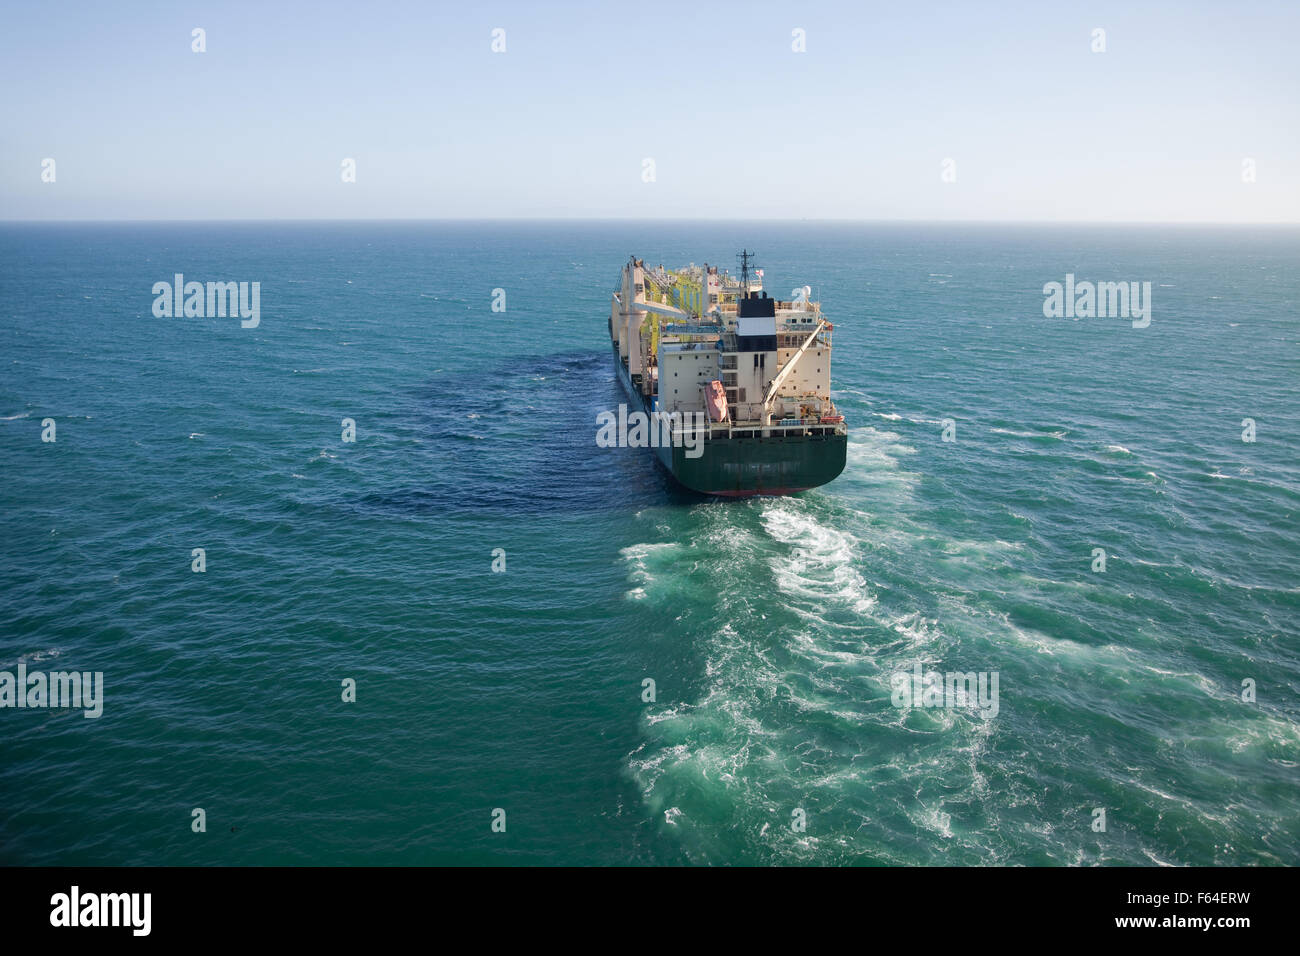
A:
676	289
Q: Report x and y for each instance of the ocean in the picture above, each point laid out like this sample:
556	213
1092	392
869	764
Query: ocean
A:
504	716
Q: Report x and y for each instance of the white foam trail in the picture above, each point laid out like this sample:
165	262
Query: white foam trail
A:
819	566
641	558
1060	433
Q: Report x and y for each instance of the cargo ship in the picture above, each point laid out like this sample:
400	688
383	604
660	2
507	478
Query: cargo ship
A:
740	380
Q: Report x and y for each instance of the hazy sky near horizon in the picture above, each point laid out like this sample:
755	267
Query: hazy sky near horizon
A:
738	124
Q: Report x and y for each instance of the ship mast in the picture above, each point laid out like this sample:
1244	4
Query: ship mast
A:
744	257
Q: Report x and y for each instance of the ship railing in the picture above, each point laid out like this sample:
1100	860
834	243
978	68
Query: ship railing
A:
795	339
785	426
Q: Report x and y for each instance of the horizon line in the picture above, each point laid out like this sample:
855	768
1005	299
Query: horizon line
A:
658	219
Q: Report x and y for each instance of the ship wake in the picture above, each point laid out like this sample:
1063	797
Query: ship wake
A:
791	718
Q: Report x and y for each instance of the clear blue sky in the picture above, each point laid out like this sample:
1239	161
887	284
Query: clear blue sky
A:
739	126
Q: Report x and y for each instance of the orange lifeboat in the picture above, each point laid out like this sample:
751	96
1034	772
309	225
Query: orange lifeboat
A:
716	400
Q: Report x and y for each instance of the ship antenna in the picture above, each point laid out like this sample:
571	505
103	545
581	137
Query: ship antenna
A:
744	258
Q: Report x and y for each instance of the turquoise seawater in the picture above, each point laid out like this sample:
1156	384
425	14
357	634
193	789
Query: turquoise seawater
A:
771	627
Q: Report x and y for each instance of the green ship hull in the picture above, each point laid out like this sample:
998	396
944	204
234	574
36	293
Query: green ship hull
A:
775	465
